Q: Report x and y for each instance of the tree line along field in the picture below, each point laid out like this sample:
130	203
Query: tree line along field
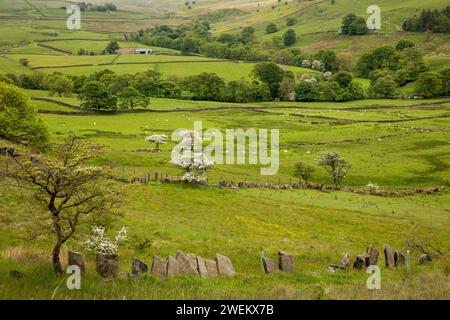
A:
400	145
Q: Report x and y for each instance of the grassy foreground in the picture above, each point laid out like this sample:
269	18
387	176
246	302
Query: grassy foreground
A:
317	227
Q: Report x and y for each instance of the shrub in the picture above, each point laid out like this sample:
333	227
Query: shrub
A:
271	28
304	172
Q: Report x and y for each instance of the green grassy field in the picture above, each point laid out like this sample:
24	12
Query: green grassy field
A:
316	235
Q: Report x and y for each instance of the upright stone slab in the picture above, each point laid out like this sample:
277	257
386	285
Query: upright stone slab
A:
172	267
201	267
159	267
399	259
359	263
76	259
269	265
211	267
425	258
107	266
389	256
138	267
372	256
225	266
345	261
187	263
286	262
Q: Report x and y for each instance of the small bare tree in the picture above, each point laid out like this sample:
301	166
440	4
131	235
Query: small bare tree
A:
336	166
304	172
68	187
425	241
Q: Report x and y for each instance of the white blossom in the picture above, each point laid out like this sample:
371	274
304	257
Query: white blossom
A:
306	64
157	139
318	65
194	163
372	187
99	243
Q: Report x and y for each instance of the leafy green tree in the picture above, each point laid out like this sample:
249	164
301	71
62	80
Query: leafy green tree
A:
260	92
404	44
271	28
445	76
95	96
169	89
344	79
238	91
383	87
26	82
130	98
19	120
227	38
354	25
6	79
307	91
354	91
247	35
206	86
428	85
380	73
329	91
59	84
33	81
118	82
271	74
291	21
148	83
112	47
190	45
379	58
78	82
411	64
328	58
290	37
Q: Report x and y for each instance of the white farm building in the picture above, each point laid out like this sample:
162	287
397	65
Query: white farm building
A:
146	51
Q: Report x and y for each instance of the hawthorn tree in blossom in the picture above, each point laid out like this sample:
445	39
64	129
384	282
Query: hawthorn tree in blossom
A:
69	187
194	163
157	140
